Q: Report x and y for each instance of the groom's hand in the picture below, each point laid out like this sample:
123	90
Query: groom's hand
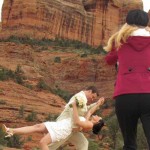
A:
101	101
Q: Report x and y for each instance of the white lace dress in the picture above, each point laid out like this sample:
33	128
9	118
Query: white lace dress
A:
61	129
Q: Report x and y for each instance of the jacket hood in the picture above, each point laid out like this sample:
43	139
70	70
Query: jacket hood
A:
138	43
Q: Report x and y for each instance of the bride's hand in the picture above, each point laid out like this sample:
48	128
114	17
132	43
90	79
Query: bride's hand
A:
77	129
74	103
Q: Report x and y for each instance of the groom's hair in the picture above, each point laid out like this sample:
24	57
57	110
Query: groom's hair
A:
93	89
98	126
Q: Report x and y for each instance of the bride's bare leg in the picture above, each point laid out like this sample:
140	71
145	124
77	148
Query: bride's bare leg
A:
29	129
45	141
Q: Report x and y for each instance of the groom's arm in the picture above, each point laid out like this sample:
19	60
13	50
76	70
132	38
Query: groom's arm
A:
95	106
91	105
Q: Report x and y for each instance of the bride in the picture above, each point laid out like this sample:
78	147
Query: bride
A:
55	131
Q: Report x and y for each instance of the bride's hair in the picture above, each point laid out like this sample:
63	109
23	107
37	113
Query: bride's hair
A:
98	126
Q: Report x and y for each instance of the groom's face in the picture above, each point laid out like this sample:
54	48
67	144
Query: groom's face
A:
91	97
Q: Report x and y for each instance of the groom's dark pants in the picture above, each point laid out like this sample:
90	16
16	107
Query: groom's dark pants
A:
129	108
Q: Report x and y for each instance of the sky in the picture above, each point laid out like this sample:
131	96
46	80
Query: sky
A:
1	2
146	4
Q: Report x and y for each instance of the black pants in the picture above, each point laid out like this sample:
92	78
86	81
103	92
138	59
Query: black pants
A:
130	108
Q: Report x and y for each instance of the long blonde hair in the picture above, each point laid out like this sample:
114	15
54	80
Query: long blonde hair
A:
116	40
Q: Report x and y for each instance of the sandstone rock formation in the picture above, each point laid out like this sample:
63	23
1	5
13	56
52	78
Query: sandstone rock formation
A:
89	21
128	5
72	74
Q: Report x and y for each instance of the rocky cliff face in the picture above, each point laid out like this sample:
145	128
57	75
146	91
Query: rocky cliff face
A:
128	5
73	73
149	16
89	21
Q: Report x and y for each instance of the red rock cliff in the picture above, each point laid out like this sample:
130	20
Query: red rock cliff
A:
90	21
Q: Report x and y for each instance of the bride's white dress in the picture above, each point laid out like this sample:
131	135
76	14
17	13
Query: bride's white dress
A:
61	129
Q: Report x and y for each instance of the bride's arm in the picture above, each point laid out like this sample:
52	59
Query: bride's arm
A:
83	124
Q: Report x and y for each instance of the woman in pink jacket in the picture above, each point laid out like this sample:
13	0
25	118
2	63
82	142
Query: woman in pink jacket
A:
130	48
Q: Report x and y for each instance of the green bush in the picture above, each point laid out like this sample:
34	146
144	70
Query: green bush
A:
62	93
119	141
1	91
19	79
110	133
6	74
51	117
93	145
21	111
16	75
15	141
36	148
32	116
29	138
141	140
83	55
100	50
113	129
3	141
18	70
57	60
108	104
29	86
27	40
57	42
42	85
114	138
2	102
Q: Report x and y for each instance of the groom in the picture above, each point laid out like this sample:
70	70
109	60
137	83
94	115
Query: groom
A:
77	138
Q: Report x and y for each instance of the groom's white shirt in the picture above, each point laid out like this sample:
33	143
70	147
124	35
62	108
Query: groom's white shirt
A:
68	111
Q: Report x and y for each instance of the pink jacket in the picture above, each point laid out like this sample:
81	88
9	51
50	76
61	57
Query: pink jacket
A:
134	66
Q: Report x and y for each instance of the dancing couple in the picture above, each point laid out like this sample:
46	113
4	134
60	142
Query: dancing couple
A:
76	117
